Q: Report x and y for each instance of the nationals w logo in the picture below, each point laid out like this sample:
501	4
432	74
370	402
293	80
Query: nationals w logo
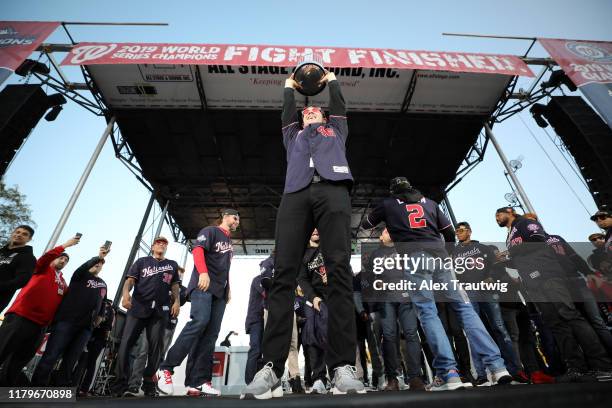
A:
91	52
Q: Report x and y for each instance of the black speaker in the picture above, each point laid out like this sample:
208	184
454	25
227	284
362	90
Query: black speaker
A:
589	139
21	107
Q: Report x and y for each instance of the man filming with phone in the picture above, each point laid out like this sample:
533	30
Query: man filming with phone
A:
32	311
81	310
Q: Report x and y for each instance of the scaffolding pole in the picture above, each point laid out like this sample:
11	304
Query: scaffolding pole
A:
162	218
451	213
509	170
134	249
79	187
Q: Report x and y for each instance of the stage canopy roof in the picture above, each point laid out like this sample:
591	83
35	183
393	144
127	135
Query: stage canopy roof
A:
203	121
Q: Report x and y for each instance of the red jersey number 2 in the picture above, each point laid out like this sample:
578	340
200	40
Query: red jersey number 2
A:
415	216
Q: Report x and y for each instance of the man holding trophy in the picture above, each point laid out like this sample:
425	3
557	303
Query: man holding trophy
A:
316	195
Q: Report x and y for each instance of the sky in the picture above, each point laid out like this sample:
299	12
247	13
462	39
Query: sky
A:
112	202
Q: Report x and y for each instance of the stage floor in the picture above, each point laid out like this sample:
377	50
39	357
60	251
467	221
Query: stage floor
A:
592	395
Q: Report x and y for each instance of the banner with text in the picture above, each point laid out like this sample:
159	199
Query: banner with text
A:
288	56
589	65
18	39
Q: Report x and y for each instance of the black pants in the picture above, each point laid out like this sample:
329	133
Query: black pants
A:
94	348
66	341
317	364
254	362
517	321
578	342
154	327
327	207
307	368
19	339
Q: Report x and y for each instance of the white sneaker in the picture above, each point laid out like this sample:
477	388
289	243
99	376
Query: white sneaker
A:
501	377
346	381
265	385
319	388
164	382
208	389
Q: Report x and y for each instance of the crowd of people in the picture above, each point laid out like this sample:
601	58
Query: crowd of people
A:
71	322
551	326
547	331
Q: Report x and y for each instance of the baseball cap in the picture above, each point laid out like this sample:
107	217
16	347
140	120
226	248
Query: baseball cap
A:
398	184
464	224
596	235
160	239
229	211
600	213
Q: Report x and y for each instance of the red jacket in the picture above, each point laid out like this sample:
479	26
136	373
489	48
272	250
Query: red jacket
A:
39	299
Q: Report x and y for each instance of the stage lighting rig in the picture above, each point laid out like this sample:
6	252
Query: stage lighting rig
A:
537	111
557	78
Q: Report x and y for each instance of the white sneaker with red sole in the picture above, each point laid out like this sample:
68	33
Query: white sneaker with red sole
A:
164	382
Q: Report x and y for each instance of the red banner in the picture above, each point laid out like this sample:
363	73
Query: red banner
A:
589	65
288	56
18	39
583	61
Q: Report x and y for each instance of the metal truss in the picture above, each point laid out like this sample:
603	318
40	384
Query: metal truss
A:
58	82
509	104
474	156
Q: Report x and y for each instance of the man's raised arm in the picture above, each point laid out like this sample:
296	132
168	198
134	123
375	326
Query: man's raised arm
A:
337	105
289	114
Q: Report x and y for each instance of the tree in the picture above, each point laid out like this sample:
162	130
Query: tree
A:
13	211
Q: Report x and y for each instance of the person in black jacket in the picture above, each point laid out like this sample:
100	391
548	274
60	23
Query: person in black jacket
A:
80	311
544	279
313	282
420	231
576	271
316	195
17	263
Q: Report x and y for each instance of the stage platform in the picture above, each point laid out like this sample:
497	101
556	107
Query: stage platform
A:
592	395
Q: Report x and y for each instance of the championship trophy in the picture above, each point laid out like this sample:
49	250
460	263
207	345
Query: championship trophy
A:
308	74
